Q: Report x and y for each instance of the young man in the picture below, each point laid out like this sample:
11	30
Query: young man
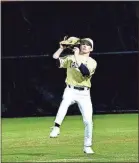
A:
80	68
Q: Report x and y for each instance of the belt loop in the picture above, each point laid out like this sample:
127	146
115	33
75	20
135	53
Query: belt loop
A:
69	86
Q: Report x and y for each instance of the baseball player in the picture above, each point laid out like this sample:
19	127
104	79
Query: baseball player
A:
80	68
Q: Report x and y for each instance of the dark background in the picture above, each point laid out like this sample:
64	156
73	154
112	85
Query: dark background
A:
33	86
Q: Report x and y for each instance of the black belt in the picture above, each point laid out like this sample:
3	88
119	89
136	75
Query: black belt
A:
79	88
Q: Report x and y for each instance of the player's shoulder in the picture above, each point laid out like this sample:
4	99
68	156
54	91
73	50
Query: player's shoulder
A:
69	56
92	60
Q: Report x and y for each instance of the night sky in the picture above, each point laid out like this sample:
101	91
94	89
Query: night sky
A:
34	28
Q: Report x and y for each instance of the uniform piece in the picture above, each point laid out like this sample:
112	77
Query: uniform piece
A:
81	97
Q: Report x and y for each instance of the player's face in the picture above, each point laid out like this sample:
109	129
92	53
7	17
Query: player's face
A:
85	47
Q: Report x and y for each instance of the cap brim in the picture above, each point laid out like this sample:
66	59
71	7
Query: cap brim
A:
86	42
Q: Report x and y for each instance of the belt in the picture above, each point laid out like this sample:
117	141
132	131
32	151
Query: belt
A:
79	88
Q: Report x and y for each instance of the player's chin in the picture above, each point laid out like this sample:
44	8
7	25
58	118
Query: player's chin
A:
85	52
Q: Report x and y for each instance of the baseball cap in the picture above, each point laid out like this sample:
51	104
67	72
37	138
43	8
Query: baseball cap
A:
87	41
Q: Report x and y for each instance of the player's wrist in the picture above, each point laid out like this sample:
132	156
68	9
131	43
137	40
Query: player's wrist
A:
61	48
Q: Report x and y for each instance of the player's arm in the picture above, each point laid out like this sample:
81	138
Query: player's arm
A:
57	54
61	62
86	71
92	67
83	69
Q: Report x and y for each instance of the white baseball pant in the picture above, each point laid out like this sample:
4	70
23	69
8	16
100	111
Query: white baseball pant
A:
83	99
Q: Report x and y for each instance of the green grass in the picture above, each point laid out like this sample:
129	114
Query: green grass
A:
115	139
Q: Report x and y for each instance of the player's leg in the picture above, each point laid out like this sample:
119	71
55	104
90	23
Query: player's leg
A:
85	106
62	111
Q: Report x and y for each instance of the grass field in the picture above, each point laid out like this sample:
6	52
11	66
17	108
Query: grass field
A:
115	139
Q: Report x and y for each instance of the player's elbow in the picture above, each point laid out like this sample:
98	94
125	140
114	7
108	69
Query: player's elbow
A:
55	57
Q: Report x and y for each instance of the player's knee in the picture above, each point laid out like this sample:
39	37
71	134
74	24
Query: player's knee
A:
88	122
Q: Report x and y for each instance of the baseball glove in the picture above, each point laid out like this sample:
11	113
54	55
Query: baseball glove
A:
70	42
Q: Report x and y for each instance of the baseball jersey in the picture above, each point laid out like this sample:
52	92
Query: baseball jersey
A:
74	76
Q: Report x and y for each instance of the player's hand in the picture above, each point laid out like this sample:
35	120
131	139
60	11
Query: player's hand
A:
76	50
62	47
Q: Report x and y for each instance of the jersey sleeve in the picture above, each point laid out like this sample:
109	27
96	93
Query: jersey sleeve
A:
92	67
84	70
64	62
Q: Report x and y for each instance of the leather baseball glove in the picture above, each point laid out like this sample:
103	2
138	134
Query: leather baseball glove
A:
70	42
